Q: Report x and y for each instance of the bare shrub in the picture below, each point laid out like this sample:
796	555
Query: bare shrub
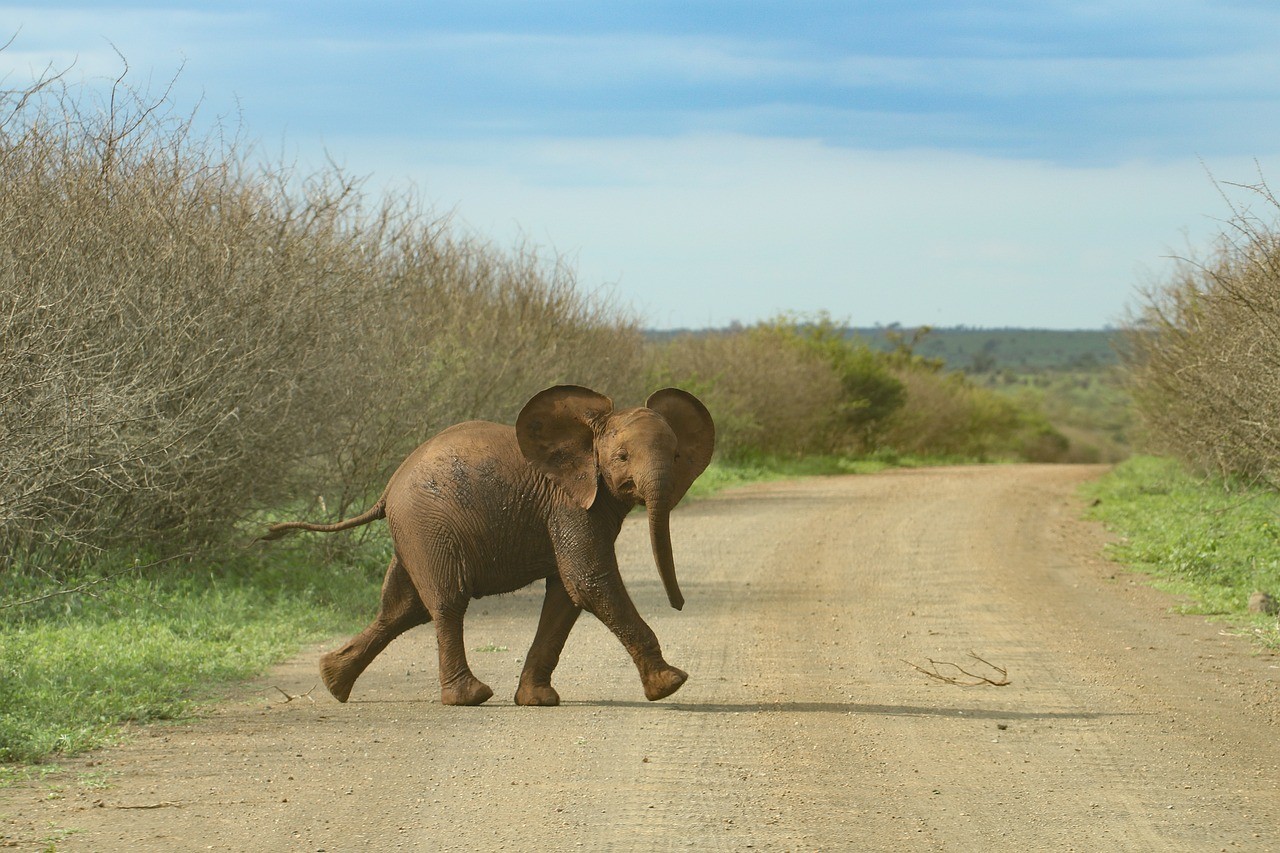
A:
149	307
1203	352
767	396
187	337
458	331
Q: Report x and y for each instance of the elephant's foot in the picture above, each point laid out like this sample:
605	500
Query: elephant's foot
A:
661	683
338	674
537	694
467	690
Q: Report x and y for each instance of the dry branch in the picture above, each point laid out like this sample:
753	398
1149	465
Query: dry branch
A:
962	677
289	698
163	804
1203	348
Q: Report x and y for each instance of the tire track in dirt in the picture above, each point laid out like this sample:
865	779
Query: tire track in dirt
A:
801	728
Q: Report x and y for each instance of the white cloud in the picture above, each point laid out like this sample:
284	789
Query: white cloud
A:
700	229
704	230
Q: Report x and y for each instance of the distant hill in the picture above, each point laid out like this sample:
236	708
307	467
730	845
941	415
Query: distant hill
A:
989	350
1018	350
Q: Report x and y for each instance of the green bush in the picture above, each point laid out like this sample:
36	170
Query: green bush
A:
1091	408
768	396
947	414
869	392
795	387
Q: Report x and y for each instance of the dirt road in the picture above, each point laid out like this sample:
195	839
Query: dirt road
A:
801	728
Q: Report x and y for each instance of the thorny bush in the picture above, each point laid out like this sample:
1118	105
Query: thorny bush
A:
1203	352
188	337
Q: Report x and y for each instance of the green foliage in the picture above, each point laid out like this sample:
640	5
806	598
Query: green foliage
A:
1091	408
152	644
788	387
947	414
1214	541
767	395
802	386
869	392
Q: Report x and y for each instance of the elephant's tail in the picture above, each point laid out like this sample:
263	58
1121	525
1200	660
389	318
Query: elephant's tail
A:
377	511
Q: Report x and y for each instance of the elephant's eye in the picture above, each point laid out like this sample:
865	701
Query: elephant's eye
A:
622	456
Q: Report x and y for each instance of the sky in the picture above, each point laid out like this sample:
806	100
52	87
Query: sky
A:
955	162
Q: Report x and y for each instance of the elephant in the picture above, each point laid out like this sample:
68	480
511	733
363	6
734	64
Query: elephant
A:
483	509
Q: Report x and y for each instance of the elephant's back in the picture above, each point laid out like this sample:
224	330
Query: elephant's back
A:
467	500
452	461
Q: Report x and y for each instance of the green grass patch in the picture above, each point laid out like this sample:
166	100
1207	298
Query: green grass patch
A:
721	475
1213	542
151	646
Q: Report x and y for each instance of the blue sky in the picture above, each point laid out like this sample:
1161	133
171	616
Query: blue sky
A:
976	163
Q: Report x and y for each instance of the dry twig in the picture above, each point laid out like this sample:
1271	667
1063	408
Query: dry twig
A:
163	804
974	679
288	698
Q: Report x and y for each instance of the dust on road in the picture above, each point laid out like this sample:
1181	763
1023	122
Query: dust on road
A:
802	726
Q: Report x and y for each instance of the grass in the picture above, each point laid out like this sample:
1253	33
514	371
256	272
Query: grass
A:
722	475
152	647
1213	542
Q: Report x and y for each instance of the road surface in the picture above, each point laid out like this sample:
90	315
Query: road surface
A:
804	724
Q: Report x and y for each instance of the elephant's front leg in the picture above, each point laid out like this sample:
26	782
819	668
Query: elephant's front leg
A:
559	613
458	685
601	591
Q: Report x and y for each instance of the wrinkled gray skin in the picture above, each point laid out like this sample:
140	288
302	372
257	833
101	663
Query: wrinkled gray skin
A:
483	509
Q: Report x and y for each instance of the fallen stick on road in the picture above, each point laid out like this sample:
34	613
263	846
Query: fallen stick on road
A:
976	680
288	698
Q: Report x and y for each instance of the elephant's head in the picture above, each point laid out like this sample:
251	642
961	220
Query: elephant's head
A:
649	455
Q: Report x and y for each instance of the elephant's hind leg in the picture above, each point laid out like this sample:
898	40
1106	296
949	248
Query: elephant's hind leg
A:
401	610
458	684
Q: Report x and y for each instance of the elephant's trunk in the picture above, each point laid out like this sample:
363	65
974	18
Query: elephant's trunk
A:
658	507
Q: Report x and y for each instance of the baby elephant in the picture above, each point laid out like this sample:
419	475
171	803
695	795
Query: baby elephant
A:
483	509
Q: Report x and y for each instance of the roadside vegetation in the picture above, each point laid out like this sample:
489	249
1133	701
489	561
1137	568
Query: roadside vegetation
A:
796	388
1212	543
194	341
145	647
1202	366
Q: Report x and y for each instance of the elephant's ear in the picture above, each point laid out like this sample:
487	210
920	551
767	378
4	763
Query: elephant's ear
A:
695	432
557	432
